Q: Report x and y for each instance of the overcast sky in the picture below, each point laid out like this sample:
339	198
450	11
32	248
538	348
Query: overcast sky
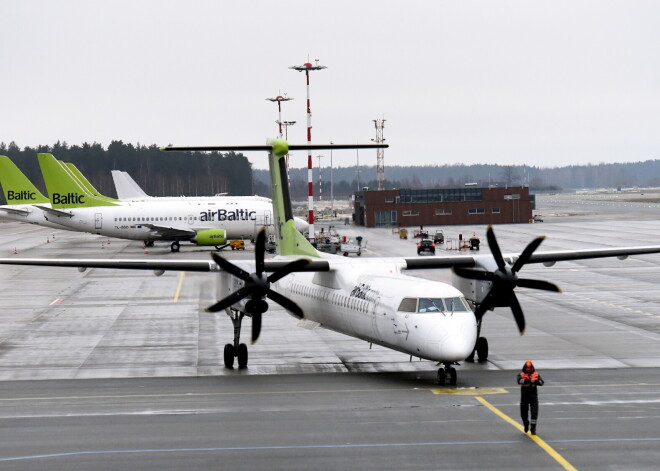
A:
510	82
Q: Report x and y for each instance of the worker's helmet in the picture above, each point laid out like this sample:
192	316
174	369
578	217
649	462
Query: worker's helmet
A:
528	367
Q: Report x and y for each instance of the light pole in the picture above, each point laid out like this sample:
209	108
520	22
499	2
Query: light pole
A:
320	178
332	187
279	99
307	67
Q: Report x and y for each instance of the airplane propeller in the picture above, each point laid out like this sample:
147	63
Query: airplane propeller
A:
505	279
257	286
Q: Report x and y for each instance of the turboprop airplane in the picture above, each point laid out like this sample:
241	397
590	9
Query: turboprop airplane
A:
212	221
372	299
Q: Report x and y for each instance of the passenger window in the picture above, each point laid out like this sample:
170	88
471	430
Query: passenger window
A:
430	305
408	305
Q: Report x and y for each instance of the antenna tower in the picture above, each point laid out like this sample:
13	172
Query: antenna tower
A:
380	154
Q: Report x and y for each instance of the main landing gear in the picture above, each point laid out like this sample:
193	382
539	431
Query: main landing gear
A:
447	374
236	350
175	246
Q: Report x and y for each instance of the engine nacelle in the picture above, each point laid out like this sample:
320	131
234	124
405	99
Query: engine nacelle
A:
210	237
473	290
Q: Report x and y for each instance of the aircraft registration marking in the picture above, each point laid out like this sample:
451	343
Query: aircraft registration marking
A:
468	391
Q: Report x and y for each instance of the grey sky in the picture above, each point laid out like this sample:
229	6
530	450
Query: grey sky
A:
509	82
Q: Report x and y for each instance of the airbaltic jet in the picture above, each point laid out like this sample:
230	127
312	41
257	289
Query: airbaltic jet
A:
128	190
370	299
76	205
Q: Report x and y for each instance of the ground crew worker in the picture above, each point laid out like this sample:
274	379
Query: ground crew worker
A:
529	379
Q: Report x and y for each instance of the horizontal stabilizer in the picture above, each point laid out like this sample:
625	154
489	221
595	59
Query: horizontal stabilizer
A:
268	148
54	211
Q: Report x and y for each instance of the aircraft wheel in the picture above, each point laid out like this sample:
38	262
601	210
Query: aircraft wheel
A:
441	377
453	376
242	356
175	246
482	348
229	356
345	254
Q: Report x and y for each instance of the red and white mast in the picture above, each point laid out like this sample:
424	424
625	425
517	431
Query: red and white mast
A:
306	67
279	99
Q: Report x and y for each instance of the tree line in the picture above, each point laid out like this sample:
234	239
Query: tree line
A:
205	174
157	172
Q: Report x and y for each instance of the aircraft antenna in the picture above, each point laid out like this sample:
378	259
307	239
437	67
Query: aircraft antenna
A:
307	67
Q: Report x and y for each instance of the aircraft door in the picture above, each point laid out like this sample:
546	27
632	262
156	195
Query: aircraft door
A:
191	218
98	220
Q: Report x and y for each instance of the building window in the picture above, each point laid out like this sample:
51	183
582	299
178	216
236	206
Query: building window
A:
410	213
476	211
443	212
389	199
496	210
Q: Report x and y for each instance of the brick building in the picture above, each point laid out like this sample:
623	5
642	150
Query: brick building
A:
443	206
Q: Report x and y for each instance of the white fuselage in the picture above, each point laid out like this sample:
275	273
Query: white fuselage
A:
362	298
238	216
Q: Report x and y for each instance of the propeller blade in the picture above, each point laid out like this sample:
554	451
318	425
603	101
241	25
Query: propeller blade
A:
233	298
538	284
495	248
227	266
260	251
256	326
286	303
527	254
288	268
517	312
473	274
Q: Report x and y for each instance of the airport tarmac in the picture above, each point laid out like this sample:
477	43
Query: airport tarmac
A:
126	370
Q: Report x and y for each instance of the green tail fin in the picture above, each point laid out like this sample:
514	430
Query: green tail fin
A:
291	241
18	189
64	190
84	182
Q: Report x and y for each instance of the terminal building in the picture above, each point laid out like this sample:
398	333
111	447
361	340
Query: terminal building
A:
443	206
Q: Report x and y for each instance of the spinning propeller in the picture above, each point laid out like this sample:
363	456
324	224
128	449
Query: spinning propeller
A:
257	286
505	279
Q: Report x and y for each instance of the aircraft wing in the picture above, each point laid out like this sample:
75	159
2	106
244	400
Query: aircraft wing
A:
148	264
169	232
547	258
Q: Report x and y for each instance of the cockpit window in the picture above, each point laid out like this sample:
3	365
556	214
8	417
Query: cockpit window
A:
455	304
408	305
430	305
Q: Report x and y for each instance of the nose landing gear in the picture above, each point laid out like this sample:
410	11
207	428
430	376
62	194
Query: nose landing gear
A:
236	350
447	374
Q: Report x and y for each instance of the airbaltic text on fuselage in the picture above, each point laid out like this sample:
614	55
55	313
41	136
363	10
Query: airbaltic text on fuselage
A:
21	195
228	215
69	198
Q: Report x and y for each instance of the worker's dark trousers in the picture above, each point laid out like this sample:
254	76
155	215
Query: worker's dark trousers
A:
525	405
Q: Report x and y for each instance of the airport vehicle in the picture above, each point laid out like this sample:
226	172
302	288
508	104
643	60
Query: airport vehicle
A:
538	218
367	298
350	247
475	242
403	233
202	222
426	245
237	244
439	237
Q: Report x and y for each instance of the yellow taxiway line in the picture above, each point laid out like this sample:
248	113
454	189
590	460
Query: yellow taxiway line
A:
539	441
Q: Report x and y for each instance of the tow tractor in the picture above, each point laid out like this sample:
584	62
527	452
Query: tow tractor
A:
351	246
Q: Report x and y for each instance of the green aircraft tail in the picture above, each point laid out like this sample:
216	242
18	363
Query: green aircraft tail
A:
64	190
87	186
18	189
291	241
